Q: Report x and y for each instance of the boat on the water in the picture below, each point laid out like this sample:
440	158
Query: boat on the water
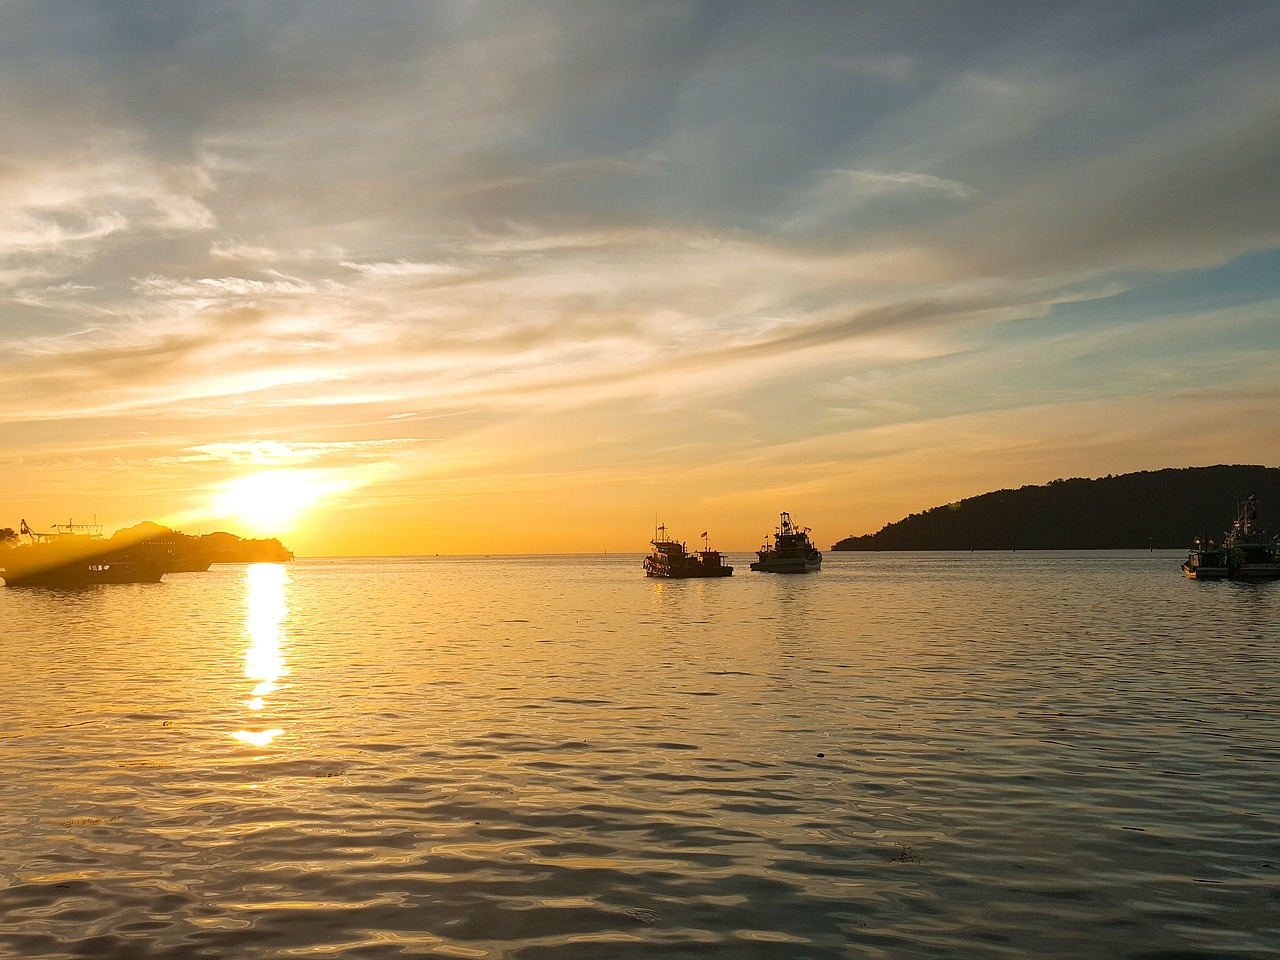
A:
1206	561
790	552
75	555
670	559
1247	551
1252	553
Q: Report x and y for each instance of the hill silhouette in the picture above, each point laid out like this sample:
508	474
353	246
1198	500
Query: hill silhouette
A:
1161	508
200	552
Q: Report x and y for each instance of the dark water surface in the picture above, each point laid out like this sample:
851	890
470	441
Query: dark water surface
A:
950	755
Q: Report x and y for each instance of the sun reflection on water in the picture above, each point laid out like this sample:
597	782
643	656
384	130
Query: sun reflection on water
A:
263	660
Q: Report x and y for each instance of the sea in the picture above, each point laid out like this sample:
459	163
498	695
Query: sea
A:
904	755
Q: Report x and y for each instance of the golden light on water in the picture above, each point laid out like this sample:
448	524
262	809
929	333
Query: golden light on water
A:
264	662
259	738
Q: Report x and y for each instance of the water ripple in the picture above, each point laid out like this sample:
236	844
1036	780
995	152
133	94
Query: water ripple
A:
946	756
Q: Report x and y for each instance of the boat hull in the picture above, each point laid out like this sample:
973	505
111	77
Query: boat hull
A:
187	566
84	574
1196	572
1256	571
787	565
691	575
690	571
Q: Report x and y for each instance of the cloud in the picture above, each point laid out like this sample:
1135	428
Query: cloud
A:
48	296
292	453
868	182
405	270
63	216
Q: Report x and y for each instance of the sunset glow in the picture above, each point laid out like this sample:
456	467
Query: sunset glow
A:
515	277
269	503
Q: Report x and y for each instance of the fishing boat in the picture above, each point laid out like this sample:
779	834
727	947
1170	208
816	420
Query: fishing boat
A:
1206	561
1252	553
75	555
671	560
790	552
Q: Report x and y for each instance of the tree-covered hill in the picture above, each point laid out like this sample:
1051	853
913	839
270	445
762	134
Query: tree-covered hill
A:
211	547
1161	508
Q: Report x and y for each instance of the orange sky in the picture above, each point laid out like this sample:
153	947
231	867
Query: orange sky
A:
490	279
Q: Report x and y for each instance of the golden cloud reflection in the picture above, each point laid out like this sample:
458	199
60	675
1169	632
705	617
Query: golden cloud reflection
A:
264	660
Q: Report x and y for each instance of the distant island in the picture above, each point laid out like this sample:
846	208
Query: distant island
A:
210	548
178	551
1161	508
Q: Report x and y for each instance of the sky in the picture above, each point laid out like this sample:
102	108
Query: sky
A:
512	277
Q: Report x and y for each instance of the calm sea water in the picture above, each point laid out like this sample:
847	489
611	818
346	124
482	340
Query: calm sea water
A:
950	755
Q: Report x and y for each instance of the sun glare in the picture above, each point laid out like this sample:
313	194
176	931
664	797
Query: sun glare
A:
270	502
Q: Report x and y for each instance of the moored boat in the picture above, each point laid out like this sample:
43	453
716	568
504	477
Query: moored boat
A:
1206	561
1252	553
671	560
790	552
75	555
1247	552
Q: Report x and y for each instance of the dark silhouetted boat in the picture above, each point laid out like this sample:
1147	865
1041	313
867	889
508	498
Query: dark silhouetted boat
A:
791	551
1247	551
1252	553
75	555
1206	561
670	559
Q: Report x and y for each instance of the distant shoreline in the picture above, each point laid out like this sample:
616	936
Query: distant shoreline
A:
1158	510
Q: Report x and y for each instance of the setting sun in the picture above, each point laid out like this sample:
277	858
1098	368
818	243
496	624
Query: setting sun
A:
272	501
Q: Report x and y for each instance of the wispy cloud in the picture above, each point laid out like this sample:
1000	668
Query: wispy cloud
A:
867	182
68	206
290	453
405	270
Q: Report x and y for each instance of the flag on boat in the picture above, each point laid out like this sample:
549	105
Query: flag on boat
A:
704	533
